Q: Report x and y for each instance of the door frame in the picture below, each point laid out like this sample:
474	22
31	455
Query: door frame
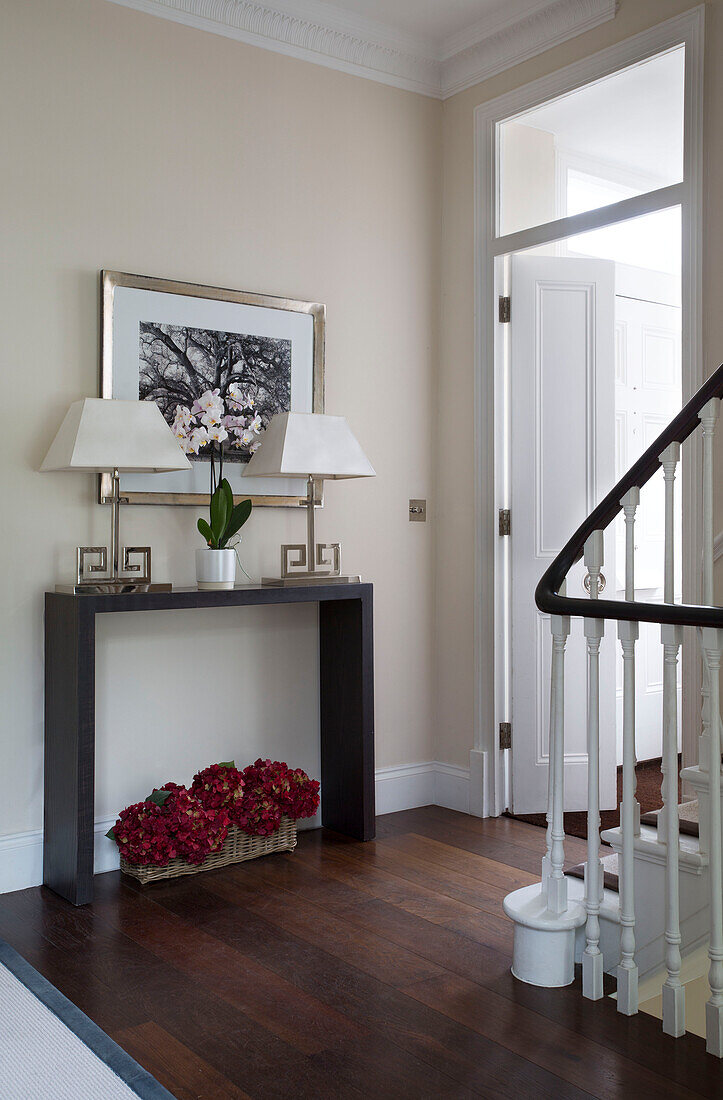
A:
490	767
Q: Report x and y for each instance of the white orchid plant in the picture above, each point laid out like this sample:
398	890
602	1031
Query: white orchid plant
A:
211	421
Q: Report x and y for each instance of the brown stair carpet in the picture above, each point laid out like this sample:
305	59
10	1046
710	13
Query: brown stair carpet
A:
688	824
687	816
649	778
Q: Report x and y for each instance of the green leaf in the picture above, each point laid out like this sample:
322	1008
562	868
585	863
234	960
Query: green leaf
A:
238	517
159	797
219	513
206	532
111	835
227	764
228	493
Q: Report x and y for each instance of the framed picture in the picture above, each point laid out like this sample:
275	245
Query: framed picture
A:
214	361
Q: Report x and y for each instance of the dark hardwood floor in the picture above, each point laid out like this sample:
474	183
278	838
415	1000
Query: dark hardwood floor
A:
347	970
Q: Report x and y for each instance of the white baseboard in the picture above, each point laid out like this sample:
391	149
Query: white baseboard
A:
21	857
431	783
403	788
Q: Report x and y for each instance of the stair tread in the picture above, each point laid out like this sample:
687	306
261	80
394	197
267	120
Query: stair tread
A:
610	872
687	818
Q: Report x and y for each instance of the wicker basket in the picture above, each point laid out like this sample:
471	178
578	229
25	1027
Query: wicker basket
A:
237	847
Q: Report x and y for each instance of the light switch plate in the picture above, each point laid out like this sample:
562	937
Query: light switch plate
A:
417	511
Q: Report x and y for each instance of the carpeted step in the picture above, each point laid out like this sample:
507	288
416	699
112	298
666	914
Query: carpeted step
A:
610	872
687	816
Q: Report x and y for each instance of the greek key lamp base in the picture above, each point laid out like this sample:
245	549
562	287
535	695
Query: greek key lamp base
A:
311	562
100	577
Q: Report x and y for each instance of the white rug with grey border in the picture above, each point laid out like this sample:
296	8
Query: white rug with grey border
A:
50	1050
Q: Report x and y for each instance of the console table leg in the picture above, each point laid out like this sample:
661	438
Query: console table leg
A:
346	671
69	747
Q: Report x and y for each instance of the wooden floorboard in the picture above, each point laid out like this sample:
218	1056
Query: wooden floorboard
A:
347	970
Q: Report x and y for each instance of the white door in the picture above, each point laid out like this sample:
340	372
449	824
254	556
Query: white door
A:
562	456
648	394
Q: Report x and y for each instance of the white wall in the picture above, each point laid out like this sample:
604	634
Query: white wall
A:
134	143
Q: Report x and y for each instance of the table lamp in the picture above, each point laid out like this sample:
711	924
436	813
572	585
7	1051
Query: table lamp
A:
103	435
315	447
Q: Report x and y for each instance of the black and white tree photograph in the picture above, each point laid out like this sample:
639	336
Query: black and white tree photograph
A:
214	387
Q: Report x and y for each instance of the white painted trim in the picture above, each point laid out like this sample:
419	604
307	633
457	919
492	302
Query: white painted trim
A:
491	477
718	546
430	783
327	35
21	857
404	787
261	25
452	787
539	31
692	356
575	224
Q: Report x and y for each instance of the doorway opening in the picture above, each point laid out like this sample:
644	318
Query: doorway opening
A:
590	230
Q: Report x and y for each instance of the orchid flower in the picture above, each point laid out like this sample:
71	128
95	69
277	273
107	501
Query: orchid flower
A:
235	397
198	437
217	433
209	407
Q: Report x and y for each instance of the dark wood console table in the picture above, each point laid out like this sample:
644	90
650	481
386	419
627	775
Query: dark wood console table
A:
346	675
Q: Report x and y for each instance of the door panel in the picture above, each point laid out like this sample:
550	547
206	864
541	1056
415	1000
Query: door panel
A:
648	393
562	462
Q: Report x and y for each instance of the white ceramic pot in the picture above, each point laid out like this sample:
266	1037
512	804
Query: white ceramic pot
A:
215	569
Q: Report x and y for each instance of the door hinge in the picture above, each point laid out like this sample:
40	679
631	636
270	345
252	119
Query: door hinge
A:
505	735
505	309
505	521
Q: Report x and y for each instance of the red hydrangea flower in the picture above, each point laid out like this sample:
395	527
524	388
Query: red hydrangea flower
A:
217	787
258	815
271	791
303	797
197	831
143	834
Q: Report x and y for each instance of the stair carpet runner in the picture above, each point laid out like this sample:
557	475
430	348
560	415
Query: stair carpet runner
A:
688	826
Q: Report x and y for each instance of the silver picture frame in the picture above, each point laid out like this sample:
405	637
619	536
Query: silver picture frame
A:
111	280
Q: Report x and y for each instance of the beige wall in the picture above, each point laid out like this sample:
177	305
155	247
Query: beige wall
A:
138	144
134	143
455	474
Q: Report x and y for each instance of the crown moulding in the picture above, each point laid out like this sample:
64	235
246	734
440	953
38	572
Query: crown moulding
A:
355	51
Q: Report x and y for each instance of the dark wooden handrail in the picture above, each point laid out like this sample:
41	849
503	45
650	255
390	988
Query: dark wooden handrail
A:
547	593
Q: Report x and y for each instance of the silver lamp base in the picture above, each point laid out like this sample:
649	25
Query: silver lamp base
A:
114	570
311	562
308	578
113	588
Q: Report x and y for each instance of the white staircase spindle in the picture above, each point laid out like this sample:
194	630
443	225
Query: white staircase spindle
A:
630	825
629	503
712	645
671	638
556	882
592	960
547	858
628	633
673	991
708	417
668	460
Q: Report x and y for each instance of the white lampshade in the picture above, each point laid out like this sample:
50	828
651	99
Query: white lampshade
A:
99	435
304	444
